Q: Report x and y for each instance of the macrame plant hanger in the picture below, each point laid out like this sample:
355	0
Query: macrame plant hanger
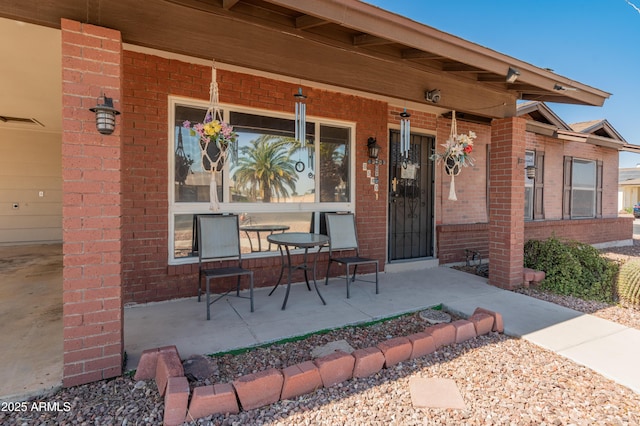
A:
215	114
452	164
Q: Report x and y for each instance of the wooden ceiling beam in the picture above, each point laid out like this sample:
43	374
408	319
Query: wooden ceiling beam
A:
418	54
228	4
369	40
305	22
460	67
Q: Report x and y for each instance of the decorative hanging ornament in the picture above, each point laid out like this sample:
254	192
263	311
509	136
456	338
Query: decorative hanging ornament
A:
405	134
301	118
213	113
451	164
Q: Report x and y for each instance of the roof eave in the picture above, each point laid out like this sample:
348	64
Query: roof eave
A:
381	23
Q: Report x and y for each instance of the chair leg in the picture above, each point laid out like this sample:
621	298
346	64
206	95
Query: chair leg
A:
251	290
355	268
326	279
348	281
199	284
238	286
377	292
208	299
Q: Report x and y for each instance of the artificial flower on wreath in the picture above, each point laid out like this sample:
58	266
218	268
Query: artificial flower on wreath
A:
216	131
458	148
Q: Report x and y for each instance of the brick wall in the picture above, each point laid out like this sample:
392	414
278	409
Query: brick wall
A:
470	184
506	202
92	284
454	239
148	81
555	150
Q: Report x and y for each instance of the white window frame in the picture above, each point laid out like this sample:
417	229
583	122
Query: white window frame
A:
529	160
593	189
238	208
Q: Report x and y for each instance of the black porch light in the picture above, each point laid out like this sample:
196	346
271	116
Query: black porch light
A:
105	115
373	148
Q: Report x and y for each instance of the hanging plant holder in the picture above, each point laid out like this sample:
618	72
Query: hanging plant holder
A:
457	154
451	167
216	136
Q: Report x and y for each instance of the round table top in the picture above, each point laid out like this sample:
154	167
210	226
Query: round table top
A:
264	228
298	239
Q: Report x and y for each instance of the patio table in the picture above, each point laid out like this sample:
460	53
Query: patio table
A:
261	228
298	240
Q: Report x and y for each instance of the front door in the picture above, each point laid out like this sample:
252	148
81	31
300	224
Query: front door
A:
411	212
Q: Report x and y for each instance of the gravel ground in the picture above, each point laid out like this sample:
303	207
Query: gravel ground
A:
502	381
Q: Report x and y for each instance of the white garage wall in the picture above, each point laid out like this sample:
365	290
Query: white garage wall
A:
31	178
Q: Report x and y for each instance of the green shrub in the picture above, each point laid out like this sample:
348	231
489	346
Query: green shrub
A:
572	268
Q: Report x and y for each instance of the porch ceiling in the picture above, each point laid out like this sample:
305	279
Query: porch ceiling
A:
345	43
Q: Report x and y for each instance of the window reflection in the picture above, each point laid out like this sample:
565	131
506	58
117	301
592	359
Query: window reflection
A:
190	177
271	166
334	164
254	230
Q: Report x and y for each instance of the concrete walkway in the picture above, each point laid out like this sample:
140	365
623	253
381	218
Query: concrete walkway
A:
606	347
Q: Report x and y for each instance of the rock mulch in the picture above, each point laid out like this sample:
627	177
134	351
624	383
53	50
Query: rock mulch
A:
502	381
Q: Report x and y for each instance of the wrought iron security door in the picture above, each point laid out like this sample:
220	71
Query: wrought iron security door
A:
411	212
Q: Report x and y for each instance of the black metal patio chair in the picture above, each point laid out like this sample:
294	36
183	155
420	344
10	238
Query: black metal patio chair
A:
219	240
341	229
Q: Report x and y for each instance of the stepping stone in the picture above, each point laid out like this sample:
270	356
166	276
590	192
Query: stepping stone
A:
331	347
435	393
433	316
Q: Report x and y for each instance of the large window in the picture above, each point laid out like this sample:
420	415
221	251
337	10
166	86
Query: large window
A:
582	189
269	179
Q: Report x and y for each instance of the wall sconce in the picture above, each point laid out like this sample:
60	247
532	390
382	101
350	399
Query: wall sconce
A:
374	150
531	172
512	75
105	115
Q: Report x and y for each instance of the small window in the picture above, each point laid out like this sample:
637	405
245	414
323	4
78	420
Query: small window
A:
583	186
529	186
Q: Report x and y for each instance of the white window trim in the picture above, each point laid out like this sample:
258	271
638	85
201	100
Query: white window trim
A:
593	190
226	207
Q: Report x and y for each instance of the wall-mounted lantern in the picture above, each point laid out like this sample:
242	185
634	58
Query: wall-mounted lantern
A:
531	172
373	148
105	115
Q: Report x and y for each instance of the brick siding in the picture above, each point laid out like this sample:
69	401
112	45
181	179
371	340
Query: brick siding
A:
454	239
148	81
92	292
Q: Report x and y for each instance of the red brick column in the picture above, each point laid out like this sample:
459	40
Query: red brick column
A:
506	202
91	216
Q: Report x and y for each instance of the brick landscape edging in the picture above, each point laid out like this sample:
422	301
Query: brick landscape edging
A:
266	387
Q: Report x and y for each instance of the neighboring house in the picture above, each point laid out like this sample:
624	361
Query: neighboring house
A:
128	200
628	187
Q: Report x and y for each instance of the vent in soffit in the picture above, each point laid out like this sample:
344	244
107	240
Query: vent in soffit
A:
20	120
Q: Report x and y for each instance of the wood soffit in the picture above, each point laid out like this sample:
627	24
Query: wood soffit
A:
346	43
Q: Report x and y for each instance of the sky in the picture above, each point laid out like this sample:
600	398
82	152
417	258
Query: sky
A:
594	42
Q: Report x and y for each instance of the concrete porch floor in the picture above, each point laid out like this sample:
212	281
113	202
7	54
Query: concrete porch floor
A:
31	319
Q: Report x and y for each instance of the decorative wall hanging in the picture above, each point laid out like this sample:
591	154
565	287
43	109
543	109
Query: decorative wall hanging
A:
457	154
213	130
405	134
301	118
